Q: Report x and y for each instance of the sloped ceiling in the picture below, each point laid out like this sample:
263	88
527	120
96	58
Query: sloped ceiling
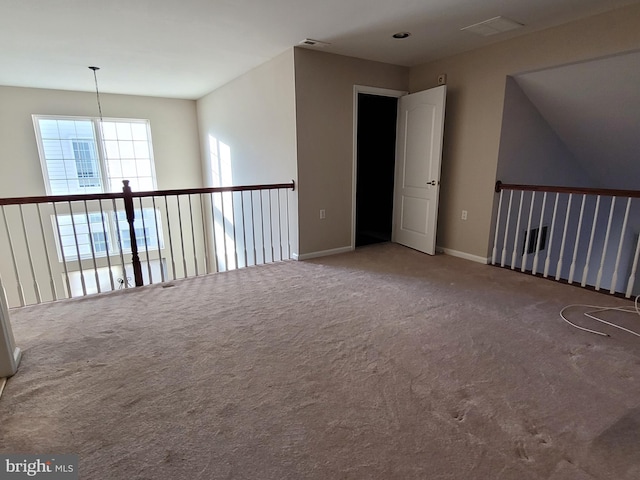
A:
187	48
594	107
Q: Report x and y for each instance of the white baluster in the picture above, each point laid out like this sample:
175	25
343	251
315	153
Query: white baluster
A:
536	258
634	269
606	243
36	287
93	252
52	283
64	259
585	272
528	236
506	231
193	236
173	262
75	237
614	278
547	260
515	240
494	253
146	242
564	238
572	270
107	244
13	258
184	256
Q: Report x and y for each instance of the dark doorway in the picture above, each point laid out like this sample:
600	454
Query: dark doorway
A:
376	154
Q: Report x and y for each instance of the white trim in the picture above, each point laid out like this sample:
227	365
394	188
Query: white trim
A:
466	256
383	92
323	253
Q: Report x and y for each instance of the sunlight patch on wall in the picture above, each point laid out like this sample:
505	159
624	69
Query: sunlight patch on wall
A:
222	176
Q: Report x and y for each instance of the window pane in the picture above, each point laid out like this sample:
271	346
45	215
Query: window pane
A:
48	128
126	149
124	131
111	149
144	168
114	168
109	131
69	156
141	149
72	157
139	131
80	234
145	230
52	149
129	169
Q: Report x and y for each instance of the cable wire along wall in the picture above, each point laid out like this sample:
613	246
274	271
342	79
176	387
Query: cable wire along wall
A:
584	236
59	247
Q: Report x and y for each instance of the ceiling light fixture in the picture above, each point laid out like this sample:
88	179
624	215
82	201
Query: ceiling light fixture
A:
310	42
493	26
95	79
401	35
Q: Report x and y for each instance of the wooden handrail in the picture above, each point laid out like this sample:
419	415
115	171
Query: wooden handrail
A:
609	192
127	196
190	191
59	198
154	193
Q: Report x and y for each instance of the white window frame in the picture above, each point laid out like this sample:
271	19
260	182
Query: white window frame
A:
106	182
112	233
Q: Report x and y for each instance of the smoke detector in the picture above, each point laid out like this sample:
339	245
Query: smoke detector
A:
309	42
493	26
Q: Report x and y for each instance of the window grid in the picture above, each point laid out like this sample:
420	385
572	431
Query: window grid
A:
73	163
106	241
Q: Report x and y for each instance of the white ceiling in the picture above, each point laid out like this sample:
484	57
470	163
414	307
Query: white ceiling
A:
187	48
594	107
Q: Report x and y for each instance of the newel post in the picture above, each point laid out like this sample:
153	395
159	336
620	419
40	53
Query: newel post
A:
128	207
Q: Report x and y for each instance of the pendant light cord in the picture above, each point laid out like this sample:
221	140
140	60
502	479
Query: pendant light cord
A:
95	78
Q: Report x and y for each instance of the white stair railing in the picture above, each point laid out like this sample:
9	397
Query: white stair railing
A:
59	247
609	260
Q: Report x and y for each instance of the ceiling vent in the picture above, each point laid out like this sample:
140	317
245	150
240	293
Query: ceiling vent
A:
493	26
309	42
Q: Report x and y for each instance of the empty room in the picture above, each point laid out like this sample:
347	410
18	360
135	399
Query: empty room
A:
336	240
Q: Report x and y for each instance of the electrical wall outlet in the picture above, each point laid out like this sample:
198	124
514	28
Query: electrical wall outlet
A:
323	214
464	215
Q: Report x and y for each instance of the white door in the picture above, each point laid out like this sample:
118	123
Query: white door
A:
418	158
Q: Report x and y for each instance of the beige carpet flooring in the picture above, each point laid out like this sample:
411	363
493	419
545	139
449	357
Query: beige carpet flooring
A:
378	364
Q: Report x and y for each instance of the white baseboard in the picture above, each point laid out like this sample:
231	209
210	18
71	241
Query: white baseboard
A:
323	253
466	256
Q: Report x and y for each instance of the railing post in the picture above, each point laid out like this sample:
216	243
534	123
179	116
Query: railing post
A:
128	207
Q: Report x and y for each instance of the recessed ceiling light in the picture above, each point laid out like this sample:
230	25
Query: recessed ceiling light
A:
492	26
401	35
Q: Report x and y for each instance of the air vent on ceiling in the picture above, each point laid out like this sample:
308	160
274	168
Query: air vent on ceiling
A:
493	26
309	42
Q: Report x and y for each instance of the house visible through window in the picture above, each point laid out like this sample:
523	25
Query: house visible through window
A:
84	155
86	163
79	233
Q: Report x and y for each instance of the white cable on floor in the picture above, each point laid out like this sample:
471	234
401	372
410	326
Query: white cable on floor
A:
636	309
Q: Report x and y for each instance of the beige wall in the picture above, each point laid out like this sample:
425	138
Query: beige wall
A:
177	162
324	109
173	129
476	87
254	117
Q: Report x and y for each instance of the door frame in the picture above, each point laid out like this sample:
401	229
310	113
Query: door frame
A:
382	92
